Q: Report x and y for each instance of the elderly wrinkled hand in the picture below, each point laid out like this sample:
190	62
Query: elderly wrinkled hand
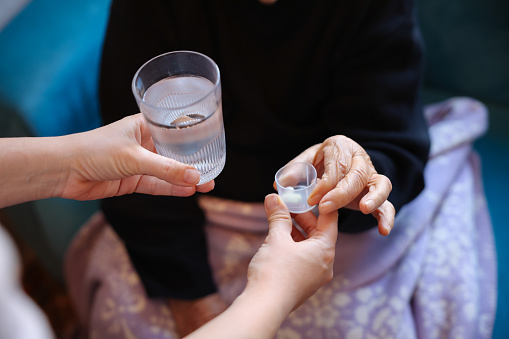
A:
349	179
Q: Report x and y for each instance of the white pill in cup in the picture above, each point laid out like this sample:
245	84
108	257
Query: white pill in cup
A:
295	182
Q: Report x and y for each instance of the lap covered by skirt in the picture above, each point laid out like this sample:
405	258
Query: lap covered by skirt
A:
434	276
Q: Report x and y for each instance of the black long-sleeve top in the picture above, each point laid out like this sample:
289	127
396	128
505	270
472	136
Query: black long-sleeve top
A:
293	74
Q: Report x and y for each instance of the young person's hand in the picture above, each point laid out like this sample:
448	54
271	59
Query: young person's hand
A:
287	269
116	159
291	266
121	158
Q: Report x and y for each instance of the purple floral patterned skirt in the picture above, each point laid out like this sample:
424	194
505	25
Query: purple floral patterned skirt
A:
433	277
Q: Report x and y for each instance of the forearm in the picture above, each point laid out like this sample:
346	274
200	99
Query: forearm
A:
252	315
32	168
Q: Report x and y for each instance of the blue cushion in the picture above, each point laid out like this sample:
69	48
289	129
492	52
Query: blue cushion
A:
49	64
49	67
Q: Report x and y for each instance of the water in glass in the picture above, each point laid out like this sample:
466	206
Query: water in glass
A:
191	130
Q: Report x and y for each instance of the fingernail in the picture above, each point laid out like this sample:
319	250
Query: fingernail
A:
271	201
326	207
370	205
191	176
311	200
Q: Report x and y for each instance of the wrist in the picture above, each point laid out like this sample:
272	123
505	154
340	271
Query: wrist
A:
61	154
271	305
254	314
50	162
33	168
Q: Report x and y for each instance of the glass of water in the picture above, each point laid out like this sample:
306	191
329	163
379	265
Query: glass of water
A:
179	95
295	182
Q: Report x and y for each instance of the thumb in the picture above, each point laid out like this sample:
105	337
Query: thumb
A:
277	214
167	169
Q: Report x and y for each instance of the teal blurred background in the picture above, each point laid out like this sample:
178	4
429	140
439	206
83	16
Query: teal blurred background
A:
467	54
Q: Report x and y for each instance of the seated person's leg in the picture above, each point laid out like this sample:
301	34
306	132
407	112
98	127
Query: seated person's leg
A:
169	254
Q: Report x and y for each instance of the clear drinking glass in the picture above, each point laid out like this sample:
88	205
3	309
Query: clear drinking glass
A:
179	95
295	182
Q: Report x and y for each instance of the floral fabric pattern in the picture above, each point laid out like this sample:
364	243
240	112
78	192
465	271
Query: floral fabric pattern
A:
434	276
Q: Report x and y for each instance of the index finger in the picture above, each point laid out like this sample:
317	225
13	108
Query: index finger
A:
337	163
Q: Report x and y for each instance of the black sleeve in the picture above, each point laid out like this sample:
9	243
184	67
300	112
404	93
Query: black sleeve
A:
164	236
378	78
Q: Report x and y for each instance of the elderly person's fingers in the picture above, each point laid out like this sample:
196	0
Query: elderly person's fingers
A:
335	162
348	188
385	215
342	159
379	188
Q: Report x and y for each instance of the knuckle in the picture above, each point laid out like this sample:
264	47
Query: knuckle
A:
356	180
279	216
392	210
388	209
381	182
342	167
329	277
330	140
131	165
170	168
154	185
388	182
361	174
329	257
368	161
337	139
327	272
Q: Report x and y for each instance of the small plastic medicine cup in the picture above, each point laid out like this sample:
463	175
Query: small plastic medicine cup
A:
295	182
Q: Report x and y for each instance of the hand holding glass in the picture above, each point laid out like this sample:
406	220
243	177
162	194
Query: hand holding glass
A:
179	95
